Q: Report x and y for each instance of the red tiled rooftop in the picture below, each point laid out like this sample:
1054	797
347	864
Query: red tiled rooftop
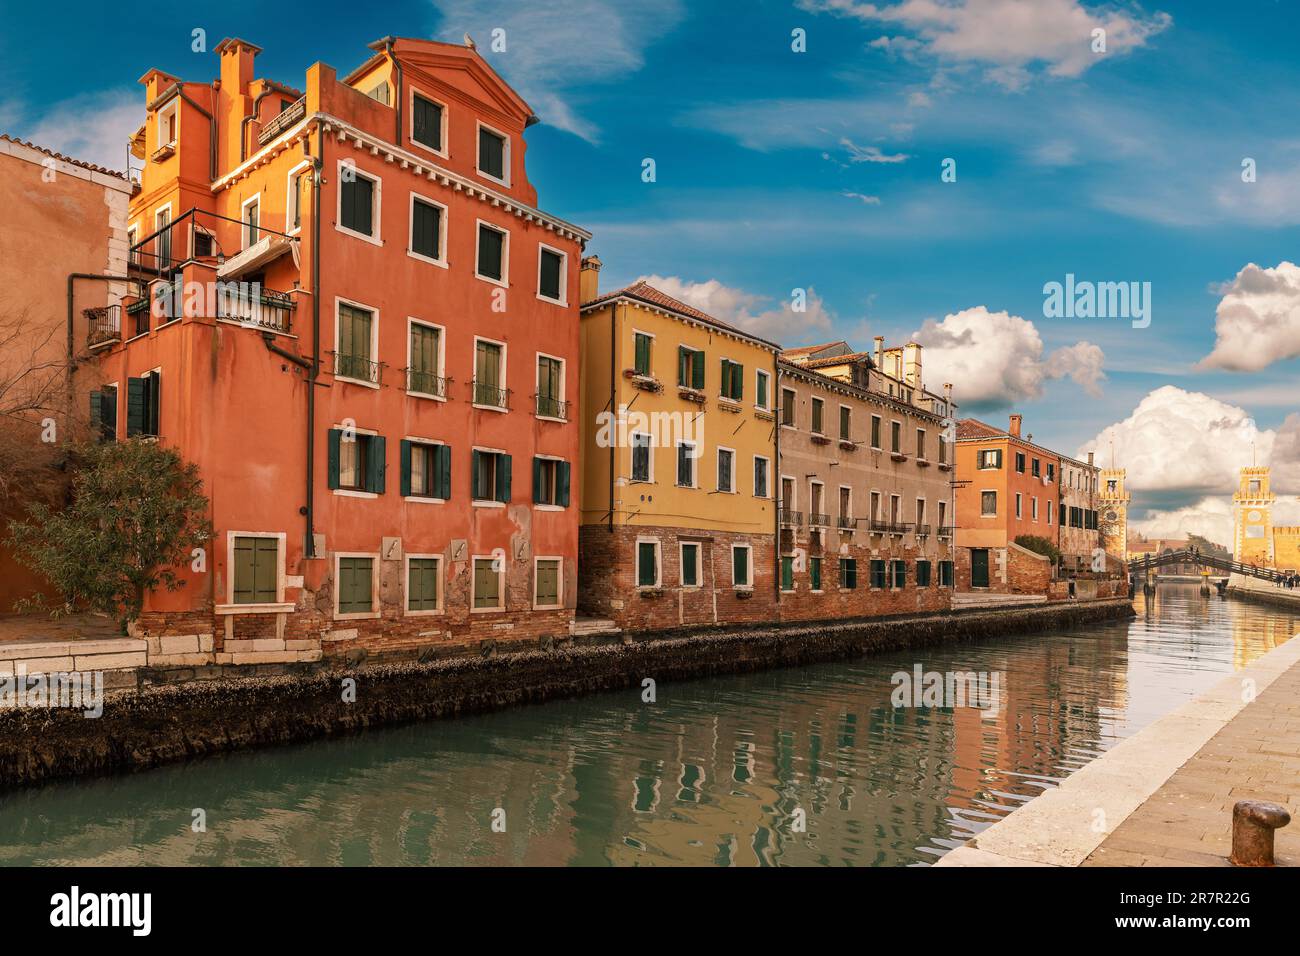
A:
65	159
645	292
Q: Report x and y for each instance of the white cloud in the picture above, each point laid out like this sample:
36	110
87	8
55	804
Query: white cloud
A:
559	46
1007	37
995	358
1211	517
749	311
1257	321
1180	441
93	127
870	154
868	200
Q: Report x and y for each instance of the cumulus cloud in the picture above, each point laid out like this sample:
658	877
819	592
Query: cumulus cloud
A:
1257	321
94	127
996	359
1211	517
749	311
1009	38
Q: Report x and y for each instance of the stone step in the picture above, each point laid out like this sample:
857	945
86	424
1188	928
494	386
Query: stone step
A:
56	656
587	626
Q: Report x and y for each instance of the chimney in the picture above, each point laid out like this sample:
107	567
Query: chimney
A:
912	364
237	58
589	279
1015	425
880	351
1089	459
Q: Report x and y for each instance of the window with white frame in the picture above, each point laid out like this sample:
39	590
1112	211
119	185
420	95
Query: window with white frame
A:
358	212
552	274
762	389
647	563
493	154
742	566
423	583
428	230
762	472
428	117
493	253
690	564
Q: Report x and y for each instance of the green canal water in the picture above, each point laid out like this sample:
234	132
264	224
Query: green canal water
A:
710	774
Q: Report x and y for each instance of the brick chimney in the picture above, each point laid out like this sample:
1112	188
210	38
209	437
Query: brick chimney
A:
1090	459
237	58
1014	429
589	278
880	352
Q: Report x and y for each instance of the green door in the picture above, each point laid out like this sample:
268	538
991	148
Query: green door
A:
979	567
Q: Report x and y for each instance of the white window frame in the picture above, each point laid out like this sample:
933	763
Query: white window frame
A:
374	586
504	281
246	239
759	374
564	384
794	408
1049	511
441	261
650	456
406	585
699	564
489	502
1020	506
501	584
442	133
559	582
813	402
505	154
352	492
659	562
979	461
543	506
564	274
839	421
877	431
815	483
376	204
922	453
717	462
374	339
292	197
849	489
442	354
793	503
767	475
172	108
747	585
695	462
279	606
473	357
1033	508
922	506
423	499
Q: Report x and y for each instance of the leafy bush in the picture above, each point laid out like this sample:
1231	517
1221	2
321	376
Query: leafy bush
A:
1040	545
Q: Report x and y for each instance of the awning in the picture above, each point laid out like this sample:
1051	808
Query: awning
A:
254	257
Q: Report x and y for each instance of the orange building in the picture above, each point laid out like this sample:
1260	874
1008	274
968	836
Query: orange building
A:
353	317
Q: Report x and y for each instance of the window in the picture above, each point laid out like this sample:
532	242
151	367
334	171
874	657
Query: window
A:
358	202
551	482
426	470
488	573
945	574
1051	472
816	504
356	332
256	574
761	468
1036	468
943	514
988	504
298	185
787	572
690	368
380	93
489	374
492	252
733	380
878	574
690	564
492	151
551	274
846	423
490	476
990	458
1019	505
163	242
356	461
642	343
641	457
423	577
144	404
726	470
133	254
424	374
1020	462
818	409
647	564
920	443
426	122
1049	511
252	213
875	506
762	382
167	125
426	230
875	431
900	573
787	407
848	573
1033	507
922	573
355	580
685	464
943	451
846	506
550	388
920	512
741	566
546	583
815	573
896	437
103	412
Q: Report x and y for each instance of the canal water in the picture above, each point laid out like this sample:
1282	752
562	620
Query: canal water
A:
804	766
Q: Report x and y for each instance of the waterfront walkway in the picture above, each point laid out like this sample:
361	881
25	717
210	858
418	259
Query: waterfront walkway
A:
1164	796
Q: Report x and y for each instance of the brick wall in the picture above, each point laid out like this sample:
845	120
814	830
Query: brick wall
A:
834	602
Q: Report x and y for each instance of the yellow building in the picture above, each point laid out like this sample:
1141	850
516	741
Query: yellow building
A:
1112	506
678	465
1256	540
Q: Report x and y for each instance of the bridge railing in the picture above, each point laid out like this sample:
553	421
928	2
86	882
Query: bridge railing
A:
1188	556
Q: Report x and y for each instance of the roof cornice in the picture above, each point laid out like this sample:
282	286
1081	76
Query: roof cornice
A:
653	308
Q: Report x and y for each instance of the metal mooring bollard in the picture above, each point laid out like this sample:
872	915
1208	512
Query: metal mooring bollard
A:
1253	823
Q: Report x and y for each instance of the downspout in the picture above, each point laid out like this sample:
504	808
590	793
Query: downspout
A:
314	372
212	138
776	474
613	384
243	125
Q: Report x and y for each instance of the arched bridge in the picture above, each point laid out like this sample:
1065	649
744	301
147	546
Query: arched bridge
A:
1193	556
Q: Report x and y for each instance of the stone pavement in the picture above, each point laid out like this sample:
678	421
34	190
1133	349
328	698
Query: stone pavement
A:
1164	796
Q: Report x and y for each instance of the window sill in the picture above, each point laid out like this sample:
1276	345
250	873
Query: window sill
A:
487	610
422	500
545	507
435	612
548	607
252	609
357	616
549	301
373	240
440	263
347	379
501	283
490	408
428	395
551	418
348	493
488	504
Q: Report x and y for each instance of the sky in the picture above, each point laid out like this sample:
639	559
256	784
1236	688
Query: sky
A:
802	145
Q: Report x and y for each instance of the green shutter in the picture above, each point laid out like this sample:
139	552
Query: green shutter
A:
642	354
683	365
475	491
442	471
690	558
405	453
738	380
697	370
376	463
265	570
422	584
740	565
136	403
537	482
562	484
354	585
332	457
645	565
243	571
503	478
787	574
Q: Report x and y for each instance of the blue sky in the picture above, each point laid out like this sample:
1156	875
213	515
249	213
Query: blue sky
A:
820	170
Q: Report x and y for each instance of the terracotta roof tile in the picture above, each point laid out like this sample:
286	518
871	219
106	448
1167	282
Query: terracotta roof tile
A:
974	428
647	293
838	360
66	159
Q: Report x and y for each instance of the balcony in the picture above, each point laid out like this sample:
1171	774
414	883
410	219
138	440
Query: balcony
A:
548	407
426	383
282	122
946	530
268	309
845	523
900	528
818	520
922	530
105	325
879	526
490	395
356	367
791	519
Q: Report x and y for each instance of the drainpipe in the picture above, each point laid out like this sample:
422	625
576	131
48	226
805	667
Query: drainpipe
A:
314	372
776	473
243	125
613	385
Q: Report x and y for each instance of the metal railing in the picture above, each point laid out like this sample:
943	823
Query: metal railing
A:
269	309
818	520
946	530
922	529
105	325
356	367
846	523
282	122
426	383
548	407
791	519
493	396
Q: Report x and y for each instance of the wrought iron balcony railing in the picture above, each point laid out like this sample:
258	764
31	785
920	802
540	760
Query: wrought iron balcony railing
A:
548	407
922	529
846	523
945	530
491	396
282	122
426	383
791	519
105	325
357	367
269	309
818	520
